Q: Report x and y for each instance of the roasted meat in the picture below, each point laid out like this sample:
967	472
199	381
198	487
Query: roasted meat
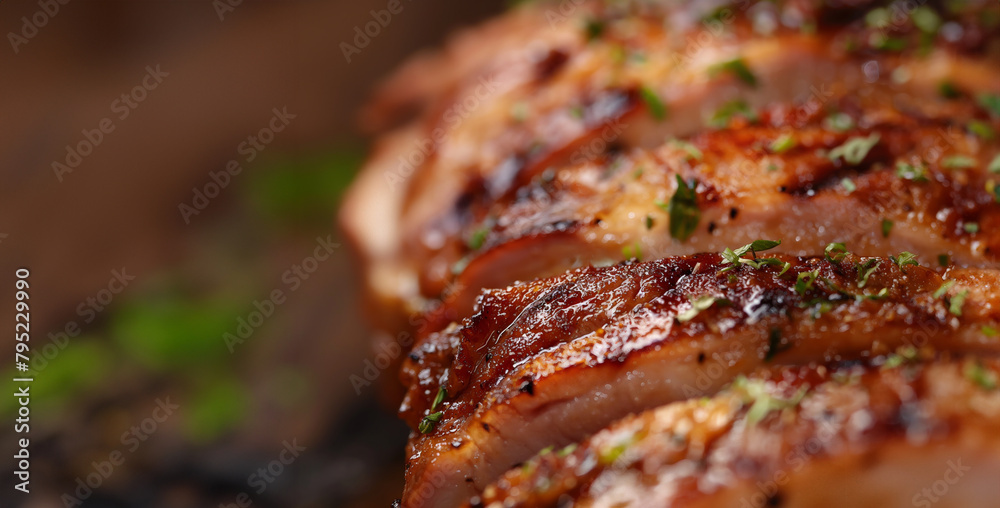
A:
901	433
585	210
551	361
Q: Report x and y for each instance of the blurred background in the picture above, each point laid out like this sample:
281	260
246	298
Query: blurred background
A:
170	175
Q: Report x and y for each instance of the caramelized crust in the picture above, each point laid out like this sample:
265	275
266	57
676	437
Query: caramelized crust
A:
790	437
551	361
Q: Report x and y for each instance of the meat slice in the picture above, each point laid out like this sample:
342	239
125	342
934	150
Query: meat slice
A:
518	165
551	361
898	431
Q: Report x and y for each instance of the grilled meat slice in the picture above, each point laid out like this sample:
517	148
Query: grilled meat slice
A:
896	432
520	164
551	361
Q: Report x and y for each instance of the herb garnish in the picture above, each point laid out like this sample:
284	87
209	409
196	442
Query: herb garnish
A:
911	172
727	111
855	150
738	68
653	103
775	344
805	280
958	162
957	302
683	210
835	252
426	425
905	258
697	305
886	227
783	144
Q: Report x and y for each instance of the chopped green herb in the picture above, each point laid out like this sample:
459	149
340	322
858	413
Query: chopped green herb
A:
637	173
911	172
849	185
866	270
757	246
653	103
427	424
774	344
839	122
855	150
941	291
905	258
727	111
478	238
971	227
683	210
835	252
784	268
697	305
881	42
994	166
982	129
926	19
783	144
948	90
886	227
878	18
570	448
738	68
957	302
763	402
975	372
902	355
805	280
649	222
958	162
944	260
632	251
989	331
693	153
441	394
990	102
594	28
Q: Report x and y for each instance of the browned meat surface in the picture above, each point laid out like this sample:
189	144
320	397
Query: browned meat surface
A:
543	143
895	433
551	361
529	168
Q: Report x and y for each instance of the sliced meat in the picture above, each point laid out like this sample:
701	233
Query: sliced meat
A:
551	361
504	112
896	432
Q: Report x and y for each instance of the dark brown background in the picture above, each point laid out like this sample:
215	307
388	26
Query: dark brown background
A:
161	336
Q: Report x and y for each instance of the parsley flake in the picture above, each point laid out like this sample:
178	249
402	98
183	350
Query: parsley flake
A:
958	162
886	227
855	150
783	144
957	301
653	103
736	67
805	280
835	252
683	210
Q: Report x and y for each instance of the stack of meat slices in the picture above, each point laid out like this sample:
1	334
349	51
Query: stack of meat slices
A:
694	254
